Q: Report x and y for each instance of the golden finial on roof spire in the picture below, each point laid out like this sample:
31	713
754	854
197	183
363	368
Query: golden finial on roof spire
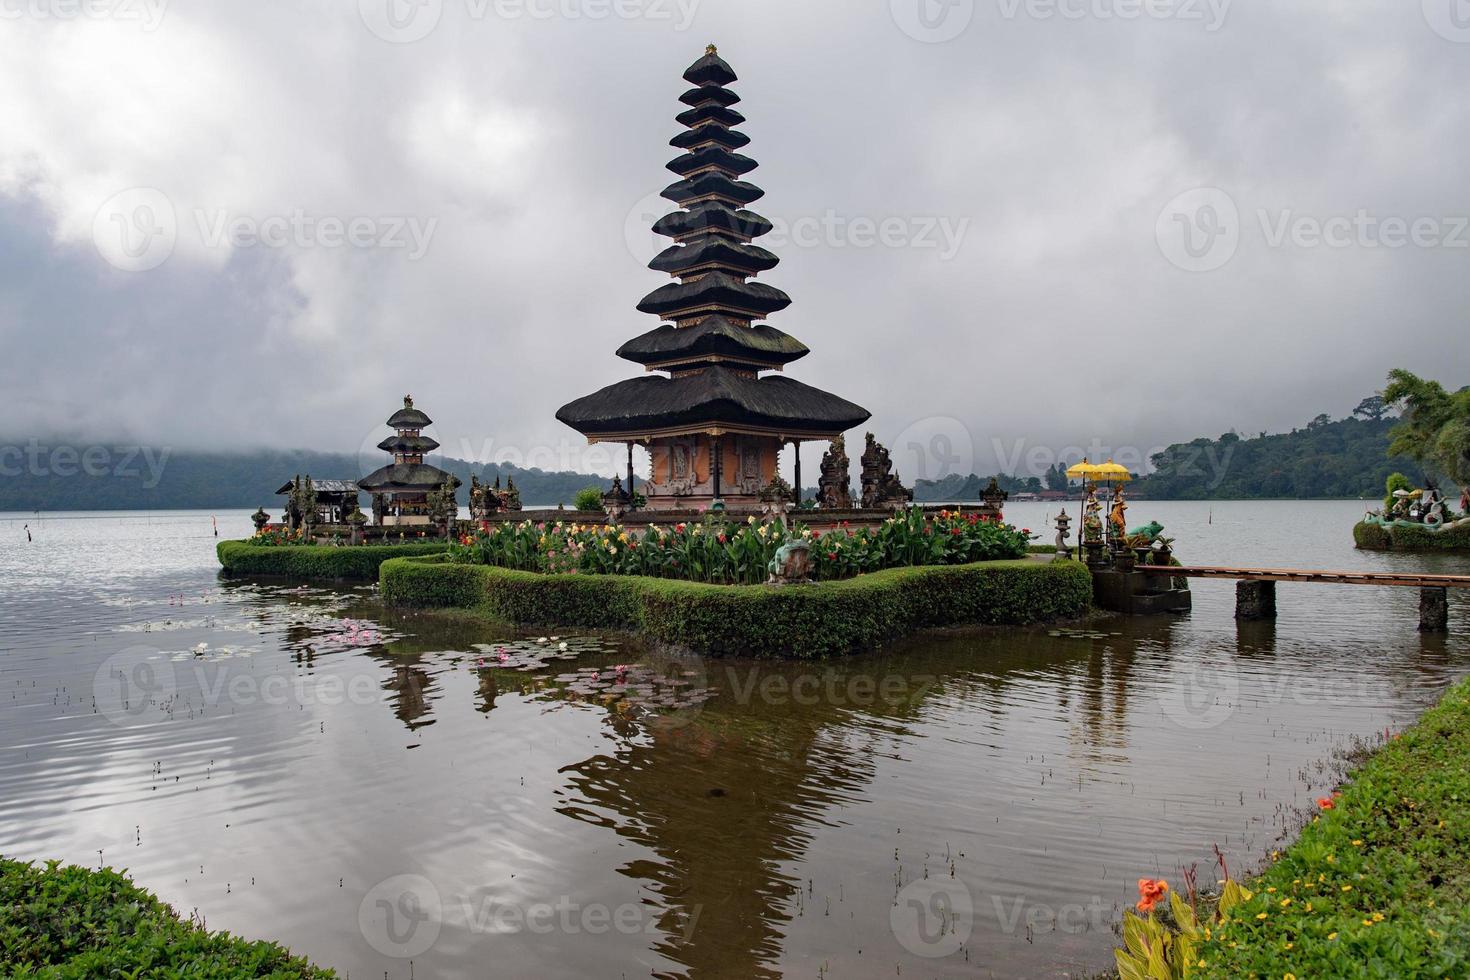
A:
711	49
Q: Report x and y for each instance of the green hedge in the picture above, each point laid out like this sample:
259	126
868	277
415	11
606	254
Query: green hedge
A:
69	922
316	561
1376	537
1379	885
810	621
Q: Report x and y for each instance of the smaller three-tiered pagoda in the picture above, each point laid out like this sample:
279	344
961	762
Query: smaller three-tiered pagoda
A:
400	490
711	417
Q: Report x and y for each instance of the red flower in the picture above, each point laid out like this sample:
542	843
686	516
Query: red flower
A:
720	537
678	528
1025	530
832	555
1150	893
1326	803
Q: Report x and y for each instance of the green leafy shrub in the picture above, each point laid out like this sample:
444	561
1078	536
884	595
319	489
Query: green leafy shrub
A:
807	622
63	922
316	561
1376	537
1396	481
720	552
589	499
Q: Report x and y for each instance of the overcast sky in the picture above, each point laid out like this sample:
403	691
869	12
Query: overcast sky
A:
1009	227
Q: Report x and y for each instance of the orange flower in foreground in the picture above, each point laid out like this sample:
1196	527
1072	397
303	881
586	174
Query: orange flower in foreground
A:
1326	803
1150	893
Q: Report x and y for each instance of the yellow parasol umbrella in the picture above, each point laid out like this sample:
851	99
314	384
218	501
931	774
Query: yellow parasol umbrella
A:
1111	472
1082	471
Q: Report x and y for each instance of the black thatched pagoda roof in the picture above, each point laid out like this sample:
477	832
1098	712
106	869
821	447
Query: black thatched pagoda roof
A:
713	397
408	444
715	292
713	343
710	251
714	336
711	156
409	417
717	94
710	70
712	219
401	477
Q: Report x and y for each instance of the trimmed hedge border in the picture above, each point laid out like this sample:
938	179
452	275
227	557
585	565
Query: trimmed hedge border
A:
804	622
317	561
1376	537
59	922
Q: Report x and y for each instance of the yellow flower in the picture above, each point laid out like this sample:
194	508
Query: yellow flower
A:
1347	888
1332	937
1260	915
1289	976
1308	906
1357	843
1377	916
1271	890
1285	902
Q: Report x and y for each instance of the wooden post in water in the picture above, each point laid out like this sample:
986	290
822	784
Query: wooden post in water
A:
1255	600
1434	610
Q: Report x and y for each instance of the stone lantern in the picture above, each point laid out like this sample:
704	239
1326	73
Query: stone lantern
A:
260	519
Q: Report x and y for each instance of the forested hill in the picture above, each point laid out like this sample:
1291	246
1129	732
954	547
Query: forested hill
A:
54	478
1346	458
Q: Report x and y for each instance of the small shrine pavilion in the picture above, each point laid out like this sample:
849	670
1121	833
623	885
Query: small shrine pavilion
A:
713	421
400	490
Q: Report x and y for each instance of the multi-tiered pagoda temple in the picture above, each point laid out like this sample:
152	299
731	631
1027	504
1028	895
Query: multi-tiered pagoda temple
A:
401	489
714	424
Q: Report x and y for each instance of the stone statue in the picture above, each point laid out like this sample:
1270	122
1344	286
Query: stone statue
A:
775	498
882	488
1092	531
1118	515
355	519
995	500
510	499
484	501
1064	531
1150	532
834	488
792	564
617	501
260	519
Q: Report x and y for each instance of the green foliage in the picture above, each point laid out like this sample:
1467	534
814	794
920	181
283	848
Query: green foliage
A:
807	622
157	478
1346	458
1396	481
967	489
1375	537
68	922
316	561
589	499
1379	884
1435	427
719	552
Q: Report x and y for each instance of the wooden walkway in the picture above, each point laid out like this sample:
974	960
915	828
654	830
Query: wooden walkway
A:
1405	580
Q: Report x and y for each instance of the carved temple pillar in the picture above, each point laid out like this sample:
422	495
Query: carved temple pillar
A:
796	490
715	465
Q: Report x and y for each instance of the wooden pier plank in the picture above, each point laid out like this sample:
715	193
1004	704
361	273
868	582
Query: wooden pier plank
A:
1392	579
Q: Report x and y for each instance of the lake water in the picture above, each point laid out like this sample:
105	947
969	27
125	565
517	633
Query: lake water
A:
364	788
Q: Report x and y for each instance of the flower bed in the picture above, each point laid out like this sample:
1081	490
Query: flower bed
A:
71	922
806	622
723	553
306	561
